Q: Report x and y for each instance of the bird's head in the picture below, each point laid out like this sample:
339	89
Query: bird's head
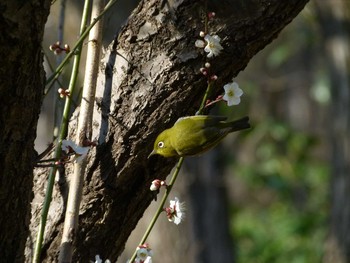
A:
162	145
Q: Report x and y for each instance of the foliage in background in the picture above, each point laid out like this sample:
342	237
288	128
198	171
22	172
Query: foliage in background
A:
280	180
283	217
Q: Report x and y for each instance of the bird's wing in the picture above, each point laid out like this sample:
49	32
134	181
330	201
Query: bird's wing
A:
198	140
201	120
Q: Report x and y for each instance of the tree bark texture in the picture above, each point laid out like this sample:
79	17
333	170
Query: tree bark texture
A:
137	98
22	82
334	21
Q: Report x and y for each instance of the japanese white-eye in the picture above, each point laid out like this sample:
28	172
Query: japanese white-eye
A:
193	135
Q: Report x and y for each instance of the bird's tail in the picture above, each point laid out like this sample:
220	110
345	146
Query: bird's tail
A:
240	124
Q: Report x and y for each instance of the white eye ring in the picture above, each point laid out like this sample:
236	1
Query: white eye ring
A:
160	144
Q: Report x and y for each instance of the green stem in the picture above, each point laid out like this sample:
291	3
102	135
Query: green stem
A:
161	206
205	97
62	136
178	166
172	182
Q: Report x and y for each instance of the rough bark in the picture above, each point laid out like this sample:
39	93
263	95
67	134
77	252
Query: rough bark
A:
139	98
334	21
21	92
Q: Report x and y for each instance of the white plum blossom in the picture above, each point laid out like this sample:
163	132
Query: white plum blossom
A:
232	94
80	152
175	212
144	254
213	47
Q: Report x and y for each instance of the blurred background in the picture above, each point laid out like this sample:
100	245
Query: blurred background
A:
262	195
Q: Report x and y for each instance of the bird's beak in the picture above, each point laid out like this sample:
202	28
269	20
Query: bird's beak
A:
152	153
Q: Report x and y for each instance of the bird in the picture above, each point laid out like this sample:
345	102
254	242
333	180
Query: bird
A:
193	135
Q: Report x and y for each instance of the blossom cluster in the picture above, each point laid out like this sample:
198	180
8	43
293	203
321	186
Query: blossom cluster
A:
175	211
212	46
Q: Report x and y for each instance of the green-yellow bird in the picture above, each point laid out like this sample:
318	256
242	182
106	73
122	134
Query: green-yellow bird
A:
195	134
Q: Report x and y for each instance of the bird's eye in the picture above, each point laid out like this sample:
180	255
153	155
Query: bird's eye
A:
160	144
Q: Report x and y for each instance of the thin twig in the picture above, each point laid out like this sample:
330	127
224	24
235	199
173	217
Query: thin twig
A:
57	154
59	104
84	132
79	42
161	206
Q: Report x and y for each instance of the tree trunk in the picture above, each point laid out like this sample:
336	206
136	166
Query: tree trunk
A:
210	219
334	18
21	93
139	97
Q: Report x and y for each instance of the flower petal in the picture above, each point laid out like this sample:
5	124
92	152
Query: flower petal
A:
238	92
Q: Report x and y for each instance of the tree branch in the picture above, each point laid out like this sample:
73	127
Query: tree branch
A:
159	82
